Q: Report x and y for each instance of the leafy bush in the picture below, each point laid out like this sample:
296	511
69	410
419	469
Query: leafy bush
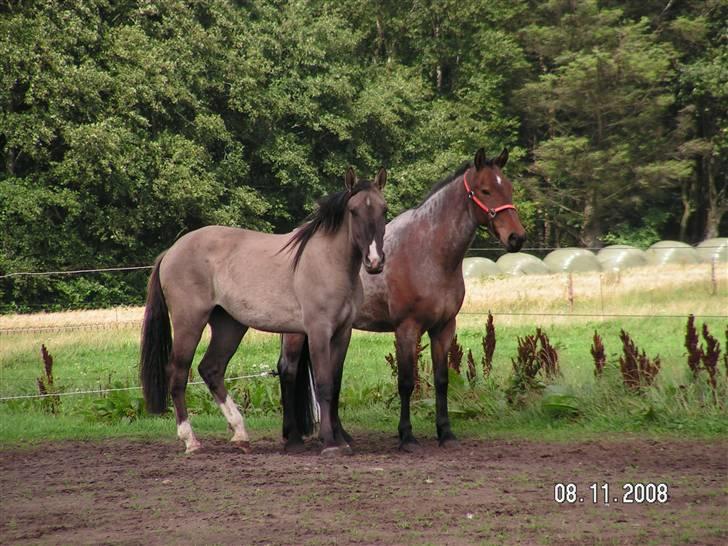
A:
257	396
466	401
598	354
121	405
50	401
638	371
560	402
531	365
200	401
422	369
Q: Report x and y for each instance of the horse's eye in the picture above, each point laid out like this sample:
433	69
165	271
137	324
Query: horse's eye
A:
485	192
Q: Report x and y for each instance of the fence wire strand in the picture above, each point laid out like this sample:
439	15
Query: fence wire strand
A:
116	389
607	315
111	325
473	249
74	272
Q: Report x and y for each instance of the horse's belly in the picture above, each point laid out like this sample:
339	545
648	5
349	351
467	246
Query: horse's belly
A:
265	312
372	321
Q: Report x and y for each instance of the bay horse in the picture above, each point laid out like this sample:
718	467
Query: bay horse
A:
421	290
234	279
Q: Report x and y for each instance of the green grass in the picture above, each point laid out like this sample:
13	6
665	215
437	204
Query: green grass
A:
675	406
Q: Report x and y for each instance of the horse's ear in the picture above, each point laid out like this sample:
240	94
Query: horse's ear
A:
502	159
480	159
350	178
381	178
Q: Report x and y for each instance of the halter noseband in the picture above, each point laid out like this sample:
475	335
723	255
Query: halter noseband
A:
471	195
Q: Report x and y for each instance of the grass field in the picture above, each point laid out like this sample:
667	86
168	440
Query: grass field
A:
103	358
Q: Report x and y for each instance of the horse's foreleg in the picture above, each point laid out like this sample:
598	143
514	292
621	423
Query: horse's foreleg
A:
226	334
339	348
291	348
406	337
440	340
319	339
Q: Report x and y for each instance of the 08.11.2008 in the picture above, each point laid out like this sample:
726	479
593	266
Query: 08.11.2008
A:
603	493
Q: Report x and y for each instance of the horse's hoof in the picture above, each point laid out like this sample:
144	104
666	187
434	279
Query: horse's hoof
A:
449	441
347	437
346	449
410	446
335	451
294	447
192	448
243	445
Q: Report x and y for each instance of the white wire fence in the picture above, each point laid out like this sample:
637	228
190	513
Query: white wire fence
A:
73	271
494	249
101	391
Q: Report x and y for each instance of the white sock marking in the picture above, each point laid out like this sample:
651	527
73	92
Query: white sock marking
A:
184	433
235	419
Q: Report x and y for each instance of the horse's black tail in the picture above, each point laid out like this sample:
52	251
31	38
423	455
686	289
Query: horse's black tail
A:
304	392
156	346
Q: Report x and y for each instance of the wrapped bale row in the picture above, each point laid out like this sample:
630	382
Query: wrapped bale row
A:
713	249
610	258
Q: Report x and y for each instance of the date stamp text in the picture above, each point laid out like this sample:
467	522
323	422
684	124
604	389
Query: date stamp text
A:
604	493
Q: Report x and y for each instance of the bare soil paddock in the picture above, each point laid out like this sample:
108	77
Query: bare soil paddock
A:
484	492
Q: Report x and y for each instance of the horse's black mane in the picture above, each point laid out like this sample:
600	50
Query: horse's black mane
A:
445	181
327	217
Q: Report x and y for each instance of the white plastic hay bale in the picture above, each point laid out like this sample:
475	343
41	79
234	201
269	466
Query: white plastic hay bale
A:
572	260
519	263
672	253
716	248
619	257
480	268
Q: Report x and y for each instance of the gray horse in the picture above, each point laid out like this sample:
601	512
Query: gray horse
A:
234	279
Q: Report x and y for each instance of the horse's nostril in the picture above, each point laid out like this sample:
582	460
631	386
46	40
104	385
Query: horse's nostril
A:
515	241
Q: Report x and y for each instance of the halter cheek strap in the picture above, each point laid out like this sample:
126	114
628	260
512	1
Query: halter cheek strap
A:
489	211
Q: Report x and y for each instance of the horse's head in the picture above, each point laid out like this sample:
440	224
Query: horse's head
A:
368	209
492	193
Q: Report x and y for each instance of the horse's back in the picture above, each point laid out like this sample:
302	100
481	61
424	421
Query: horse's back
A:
248	273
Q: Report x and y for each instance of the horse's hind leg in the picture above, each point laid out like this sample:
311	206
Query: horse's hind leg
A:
187	332
407	335
441	339
226	335
291	348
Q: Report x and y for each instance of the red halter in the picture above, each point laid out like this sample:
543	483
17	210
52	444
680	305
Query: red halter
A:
471	195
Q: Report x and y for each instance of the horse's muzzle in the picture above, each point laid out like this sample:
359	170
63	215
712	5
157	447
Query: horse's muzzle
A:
515	242
375	266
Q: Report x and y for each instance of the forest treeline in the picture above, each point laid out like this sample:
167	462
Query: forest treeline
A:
124	124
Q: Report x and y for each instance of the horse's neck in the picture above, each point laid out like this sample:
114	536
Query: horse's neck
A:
449	220
344	251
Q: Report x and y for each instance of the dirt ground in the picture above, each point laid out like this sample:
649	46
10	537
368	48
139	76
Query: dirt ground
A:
484	492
